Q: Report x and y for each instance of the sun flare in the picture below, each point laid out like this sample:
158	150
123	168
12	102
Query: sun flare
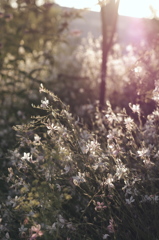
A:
135	8
131	8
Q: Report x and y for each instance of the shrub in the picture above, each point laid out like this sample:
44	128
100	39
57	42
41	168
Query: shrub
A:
131	74
69	183
31	36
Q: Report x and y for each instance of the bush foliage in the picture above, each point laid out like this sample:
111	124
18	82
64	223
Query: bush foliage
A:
67	182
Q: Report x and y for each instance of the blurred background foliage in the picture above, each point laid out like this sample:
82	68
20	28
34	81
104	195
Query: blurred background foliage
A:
37	46
30	37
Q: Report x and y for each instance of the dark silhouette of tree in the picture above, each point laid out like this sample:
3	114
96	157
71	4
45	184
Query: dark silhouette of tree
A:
109	14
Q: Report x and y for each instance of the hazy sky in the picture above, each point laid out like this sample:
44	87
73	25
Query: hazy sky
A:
134	8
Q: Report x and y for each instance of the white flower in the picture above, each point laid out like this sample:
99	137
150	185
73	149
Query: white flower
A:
58	187
129	190
129	123
102	165
135	108
37	138
144	152
95	166
7	236
130	200
61	221
27	156
109	181
44	103
113	134
10	170
154	198
67	169
85	135
145	198
79	179
84	147
51	127
105	236
70	226
93	146
22	229
156	91
120	169
138	69
52	228
151	198
68	115
41	87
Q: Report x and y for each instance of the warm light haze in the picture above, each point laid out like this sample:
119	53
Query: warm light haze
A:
132	8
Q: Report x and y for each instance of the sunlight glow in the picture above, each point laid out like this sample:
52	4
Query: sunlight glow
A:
135	8
131	8
91	4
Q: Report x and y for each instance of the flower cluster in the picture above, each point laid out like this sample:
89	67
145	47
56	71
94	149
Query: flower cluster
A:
69	182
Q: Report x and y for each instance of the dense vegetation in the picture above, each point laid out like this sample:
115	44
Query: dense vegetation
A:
68	170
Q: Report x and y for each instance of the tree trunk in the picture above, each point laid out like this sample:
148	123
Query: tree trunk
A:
104	57
109	13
